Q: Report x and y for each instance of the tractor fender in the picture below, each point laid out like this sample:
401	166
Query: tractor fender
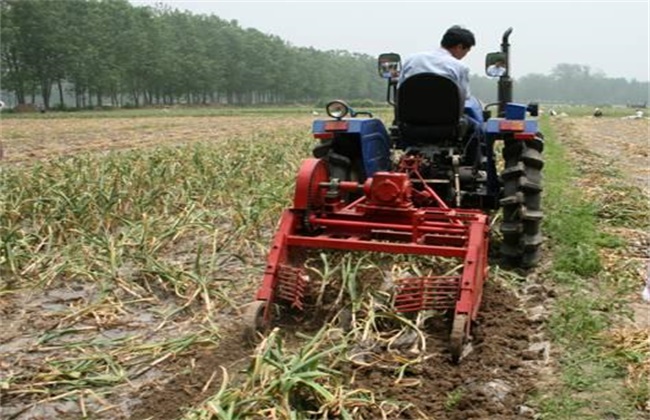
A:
369	132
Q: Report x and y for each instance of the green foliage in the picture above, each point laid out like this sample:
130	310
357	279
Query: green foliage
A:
572	221
86	216
589	301
571	84
287	385
85	53
136	56
453	399
578	319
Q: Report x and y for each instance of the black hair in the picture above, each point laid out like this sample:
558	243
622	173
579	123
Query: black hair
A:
458	35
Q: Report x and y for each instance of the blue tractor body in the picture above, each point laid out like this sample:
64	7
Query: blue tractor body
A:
456	159
371	137
426	185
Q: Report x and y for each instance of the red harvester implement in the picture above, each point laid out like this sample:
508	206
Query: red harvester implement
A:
388	217
424	186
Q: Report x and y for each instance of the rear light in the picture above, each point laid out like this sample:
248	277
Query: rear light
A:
510	125
524	136
336	125
324	136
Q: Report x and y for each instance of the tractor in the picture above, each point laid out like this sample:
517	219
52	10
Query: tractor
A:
430	184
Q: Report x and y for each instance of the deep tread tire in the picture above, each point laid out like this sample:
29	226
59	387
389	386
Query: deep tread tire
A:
521	201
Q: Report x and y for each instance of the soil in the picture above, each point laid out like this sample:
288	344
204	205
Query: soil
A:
493	381
192	379
620	142
25	140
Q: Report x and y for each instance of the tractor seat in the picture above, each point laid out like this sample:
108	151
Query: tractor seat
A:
430	110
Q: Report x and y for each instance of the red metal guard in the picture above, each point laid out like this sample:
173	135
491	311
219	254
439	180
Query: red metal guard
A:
426	293
384	220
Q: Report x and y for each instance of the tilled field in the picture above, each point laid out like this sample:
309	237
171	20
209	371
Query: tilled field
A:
140	343
26	140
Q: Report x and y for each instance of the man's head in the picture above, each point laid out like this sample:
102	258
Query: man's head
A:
458	41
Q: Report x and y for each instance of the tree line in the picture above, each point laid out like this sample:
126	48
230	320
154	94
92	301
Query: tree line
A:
113	53
578	84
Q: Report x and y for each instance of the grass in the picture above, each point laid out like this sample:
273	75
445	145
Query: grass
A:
312	378
178	234
148	242
179	111
131	207
592	297
283	384
453	399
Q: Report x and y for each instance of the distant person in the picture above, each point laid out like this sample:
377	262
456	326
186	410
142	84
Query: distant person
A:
497	69
385	70
645	294
389	70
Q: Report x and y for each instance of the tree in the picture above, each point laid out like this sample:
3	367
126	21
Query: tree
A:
158	55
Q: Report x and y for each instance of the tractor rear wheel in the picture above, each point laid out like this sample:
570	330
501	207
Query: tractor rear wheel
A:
344	162
521	202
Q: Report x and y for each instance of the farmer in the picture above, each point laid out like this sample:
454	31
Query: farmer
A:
446	61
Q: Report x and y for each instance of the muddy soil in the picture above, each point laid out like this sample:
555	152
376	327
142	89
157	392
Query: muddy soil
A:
188	381
493	380
70	332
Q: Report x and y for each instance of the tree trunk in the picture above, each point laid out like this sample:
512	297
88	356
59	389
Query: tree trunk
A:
20	94
46	89
61	99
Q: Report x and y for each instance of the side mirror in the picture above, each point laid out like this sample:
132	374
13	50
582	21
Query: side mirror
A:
496	64
389	65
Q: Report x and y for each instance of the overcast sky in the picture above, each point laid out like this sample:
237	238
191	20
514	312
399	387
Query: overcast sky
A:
608	36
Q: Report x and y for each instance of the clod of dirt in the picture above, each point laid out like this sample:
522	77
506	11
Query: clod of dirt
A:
539	351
